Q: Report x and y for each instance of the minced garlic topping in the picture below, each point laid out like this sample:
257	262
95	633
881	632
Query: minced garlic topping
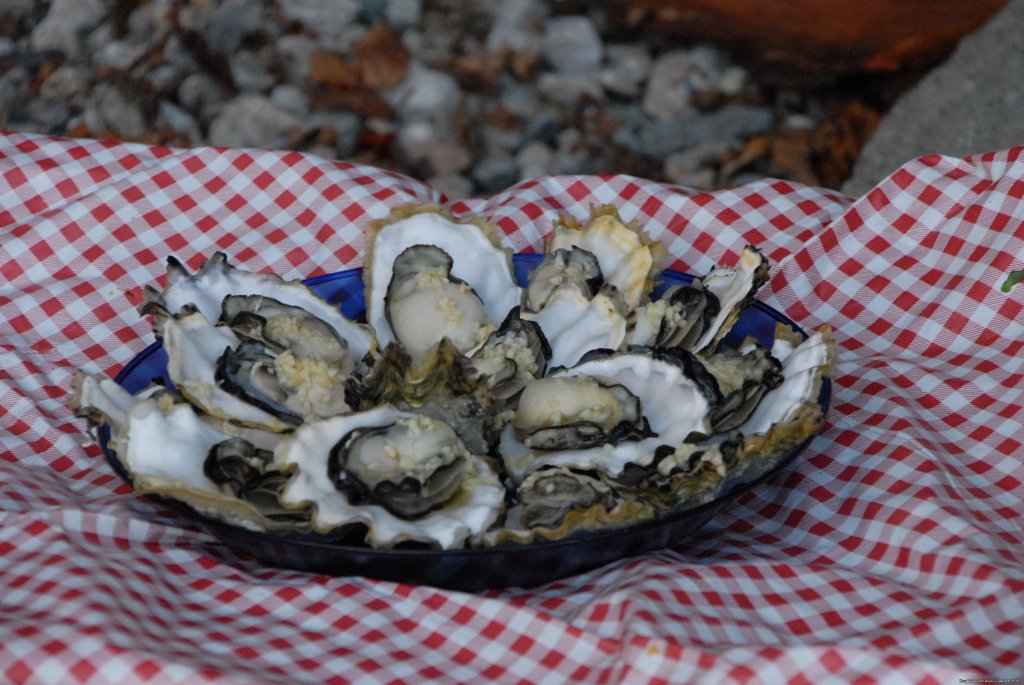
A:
286	328
311	379
431	278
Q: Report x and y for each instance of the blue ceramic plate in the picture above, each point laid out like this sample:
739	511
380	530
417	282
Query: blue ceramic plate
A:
464	569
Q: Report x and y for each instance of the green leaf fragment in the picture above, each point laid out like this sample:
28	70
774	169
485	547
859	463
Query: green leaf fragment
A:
1013	279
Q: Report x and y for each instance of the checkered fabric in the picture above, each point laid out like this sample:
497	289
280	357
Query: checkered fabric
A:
893	551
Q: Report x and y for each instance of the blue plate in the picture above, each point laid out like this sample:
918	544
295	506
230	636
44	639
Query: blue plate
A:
464	569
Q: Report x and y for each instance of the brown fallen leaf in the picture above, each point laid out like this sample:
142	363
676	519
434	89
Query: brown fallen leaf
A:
328	69
792	156
838	141
361	101
382	58
477	70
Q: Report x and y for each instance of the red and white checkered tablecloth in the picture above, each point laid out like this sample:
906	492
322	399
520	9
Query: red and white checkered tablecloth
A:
892	552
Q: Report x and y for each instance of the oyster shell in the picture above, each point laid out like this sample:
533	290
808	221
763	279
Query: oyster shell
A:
477	260
628	259
308	454
216	279
734	288
165	446
425	304
677	395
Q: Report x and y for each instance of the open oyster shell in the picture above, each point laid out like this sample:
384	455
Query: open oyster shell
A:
473	507
472	244
169	449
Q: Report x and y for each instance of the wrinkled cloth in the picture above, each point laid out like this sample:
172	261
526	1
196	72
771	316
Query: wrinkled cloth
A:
891	551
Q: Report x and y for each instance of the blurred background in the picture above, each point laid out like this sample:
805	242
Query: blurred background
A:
474	96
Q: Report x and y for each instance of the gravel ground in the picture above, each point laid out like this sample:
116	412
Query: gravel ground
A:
470	96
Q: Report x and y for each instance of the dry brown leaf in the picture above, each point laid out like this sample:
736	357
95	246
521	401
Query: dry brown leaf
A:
382	58
754	150
840	138
328	69
477	70
362	101
792	153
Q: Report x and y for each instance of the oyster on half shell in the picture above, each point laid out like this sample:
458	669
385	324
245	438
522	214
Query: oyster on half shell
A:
477	260
403	476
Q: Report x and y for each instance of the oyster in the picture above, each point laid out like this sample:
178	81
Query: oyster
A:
790	413
168	449
216	279
566	412
628	259
477	260
194	348
515	355
677	395
562	266
678	319
404	476
577	312
734	288
444	386
425	304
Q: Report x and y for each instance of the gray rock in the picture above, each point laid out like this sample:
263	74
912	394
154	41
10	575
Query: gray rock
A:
177	55
295	52
534	160
446	157
570	89
202	95
572	44
67	82
120	55
48	116
518	25
327	19
662	138
499	140
424	93
371	11
682	165
543	128
969	105
173	118
13	91
494	173
519	99
120	110
412	139
152	20
231	23
403	14
249	73
628	67
669	91
65	25
253	121
291	99
162	79
345	125
453	186
16	9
